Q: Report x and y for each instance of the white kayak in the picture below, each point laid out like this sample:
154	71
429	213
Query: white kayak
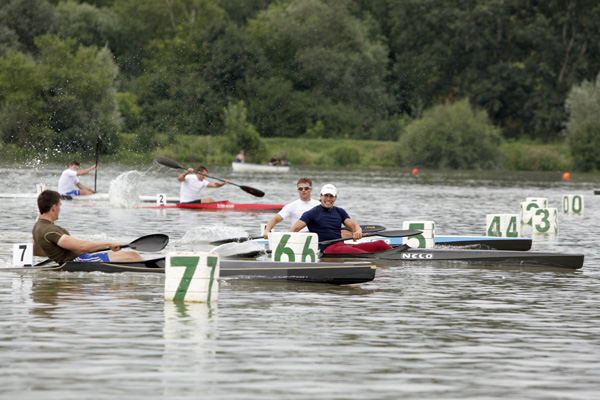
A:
249	167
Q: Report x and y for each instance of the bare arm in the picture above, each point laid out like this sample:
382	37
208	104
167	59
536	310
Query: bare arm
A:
354	227
85	246
298	226
87	170
181	178
217	184
271	224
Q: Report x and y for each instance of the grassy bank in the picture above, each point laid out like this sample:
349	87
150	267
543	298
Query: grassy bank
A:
209	150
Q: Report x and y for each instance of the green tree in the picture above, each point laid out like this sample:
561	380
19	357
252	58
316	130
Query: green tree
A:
241	134
90	25
22	108
24	20
583	126
452	136
584	143
332	55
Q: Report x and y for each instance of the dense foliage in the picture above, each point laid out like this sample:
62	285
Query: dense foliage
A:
361	69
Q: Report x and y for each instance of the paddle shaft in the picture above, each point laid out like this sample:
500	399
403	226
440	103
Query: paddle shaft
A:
401	233
365	228
98	147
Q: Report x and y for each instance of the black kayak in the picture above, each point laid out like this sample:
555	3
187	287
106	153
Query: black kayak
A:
480	257
338	273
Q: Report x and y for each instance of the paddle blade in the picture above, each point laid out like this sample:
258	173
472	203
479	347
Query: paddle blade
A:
167	162
150	243
369	228
253	191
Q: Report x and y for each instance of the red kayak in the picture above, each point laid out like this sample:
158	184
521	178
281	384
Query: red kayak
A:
224	206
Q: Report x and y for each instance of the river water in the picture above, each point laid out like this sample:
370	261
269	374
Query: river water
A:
418	331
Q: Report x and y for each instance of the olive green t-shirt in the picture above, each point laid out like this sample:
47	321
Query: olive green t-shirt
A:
46	235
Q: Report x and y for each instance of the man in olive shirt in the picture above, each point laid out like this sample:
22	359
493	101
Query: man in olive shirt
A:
54	242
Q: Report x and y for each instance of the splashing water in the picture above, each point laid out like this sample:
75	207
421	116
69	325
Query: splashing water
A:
232	249
124	190
212	232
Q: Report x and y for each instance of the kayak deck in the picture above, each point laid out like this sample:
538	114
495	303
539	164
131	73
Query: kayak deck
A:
338	273
481	257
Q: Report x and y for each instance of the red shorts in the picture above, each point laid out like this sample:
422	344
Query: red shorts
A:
369	247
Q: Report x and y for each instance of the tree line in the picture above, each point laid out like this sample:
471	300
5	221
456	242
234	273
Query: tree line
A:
365	69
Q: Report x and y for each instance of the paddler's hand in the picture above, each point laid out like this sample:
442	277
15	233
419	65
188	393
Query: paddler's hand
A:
191	171
357	235
115	246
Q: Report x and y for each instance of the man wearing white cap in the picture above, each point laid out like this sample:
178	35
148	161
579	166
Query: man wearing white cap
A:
325	220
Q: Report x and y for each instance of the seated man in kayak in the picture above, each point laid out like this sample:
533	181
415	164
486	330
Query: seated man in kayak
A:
54	242
325	220
241	157
192	182
69	185
295	209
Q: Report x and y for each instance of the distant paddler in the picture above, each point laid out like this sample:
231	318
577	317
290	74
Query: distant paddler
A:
54	242
69	185
192	183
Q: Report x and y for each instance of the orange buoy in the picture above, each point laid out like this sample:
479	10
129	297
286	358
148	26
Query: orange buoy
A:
566	176
415	171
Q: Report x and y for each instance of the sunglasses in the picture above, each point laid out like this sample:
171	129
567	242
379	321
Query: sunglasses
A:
304	187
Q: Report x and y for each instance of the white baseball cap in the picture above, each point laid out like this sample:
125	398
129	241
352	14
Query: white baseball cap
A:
329	189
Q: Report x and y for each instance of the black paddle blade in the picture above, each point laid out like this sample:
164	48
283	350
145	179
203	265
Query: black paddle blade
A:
252	191
167	162
150	243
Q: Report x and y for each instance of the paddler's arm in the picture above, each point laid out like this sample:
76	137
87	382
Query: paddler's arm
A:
271	224
181	178
81	186
298	226
85	246
217	184
354	227
87	170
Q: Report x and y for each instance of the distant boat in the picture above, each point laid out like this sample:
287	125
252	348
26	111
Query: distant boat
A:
249	167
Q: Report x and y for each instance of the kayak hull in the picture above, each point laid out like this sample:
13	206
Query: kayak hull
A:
481	257
485	242
222	206
250	167
338	273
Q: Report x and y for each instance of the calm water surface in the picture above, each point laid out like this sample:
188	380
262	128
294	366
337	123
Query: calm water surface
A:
419	331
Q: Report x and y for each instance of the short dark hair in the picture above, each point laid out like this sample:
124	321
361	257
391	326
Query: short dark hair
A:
304	180
202	168
47	199
74	162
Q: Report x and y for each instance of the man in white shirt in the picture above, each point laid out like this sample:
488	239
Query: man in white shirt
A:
192	182
295	209
69	185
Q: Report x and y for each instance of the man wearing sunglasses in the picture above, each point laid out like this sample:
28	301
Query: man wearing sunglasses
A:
295	209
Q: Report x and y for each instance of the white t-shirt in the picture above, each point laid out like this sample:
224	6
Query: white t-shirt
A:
68	180
295	209
191	187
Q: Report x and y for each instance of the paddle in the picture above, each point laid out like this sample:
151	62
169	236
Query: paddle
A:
148	243
402	233
98	147
167	162
365	228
